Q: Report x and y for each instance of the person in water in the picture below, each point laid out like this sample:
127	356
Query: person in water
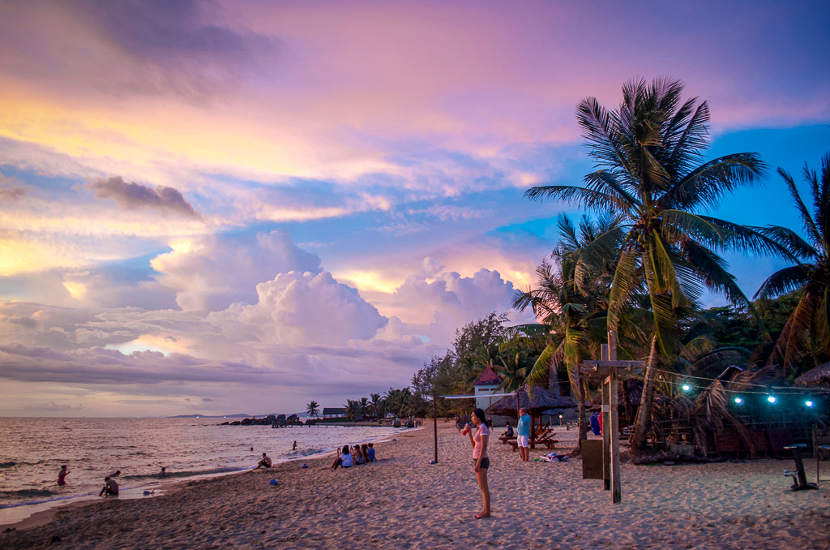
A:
163	472
344	459
294	446
116	473
110	488
265	462
481	462
62	475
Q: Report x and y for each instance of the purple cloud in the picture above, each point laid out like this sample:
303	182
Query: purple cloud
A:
134	196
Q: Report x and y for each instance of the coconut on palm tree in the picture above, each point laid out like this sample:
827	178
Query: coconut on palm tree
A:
808	327
648	173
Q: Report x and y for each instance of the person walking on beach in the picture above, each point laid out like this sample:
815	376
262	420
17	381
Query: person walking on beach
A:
523	434
62	476
481	462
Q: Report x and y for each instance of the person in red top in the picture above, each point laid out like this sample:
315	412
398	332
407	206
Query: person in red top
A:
62	475
481	462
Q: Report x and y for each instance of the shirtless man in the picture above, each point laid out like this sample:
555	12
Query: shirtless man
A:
110	488
265	462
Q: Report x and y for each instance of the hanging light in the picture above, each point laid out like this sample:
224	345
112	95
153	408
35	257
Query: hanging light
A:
772	399
808	403
686	387
738	400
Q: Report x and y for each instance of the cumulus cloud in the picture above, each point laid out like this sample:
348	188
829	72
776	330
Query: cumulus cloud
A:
212	272
134	196
304	308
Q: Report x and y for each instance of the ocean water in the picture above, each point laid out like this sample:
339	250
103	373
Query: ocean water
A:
32	451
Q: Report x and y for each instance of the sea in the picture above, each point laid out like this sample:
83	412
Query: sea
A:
32	450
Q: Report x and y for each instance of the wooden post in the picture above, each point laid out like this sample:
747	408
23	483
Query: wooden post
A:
613	434
435	424
606	422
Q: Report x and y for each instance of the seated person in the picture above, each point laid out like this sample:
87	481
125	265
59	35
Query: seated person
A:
509	431
110	488
357	456
344	459
370	452
265	462
364	450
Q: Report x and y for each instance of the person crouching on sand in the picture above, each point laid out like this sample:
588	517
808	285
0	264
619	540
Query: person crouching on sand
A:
110	488
344	459
265	462
480	460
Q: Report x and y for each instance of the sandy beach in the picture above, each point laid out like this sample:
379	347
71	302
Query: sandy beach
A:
402	501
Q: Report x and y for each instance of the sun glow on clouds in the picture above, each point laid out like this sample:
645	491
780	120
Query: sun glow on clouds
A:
75	289
369	280
152	342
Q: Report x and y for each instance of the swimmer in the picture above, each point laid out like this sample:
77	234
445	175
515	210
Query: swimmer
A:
294	446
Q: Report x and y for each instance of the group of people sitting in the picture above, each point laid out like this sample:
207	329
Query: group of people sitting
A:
359	454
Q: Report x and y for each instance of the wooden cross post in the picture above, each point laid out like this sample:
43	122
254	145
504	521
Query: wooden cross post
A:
607	367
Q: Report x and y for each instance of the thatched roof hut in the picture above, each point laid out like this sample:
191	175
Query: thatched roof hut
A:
540	400
819	376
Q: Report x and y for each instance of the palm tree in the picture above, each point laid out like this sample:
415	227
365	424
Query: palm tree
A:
569	307
647	175
364	406
312	408
808	326
375	400
352	409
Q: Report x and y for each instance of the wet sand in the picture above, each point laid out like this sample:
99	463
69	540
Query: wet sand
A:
402	501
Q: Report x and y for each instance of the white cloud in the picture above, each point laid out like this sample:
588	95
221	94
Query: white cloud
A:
213	272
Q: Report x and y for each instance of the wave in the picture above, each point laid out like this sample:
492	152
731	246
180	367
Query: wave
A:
25	493
186	473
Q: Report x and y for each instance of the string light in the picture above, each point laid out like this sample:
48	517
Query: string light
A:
738	399
772	399
686	388
808	403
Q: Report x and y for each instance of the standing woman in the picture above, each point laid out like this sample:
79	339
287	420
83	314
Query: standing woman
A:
480	460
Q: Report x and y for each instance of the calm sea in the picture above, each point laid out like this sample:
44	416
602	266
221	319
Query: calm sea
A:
32	451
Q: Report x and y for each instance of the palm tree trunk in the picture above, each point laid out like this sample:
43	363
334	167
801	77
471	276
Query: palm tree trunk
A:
643	419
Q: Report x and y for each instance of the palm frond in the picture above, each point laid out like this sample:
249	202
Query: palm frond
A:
707	183
806	219
783	281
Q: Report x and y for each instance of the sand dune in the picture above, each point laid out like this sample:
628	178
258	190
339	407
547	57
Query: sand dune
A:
404	502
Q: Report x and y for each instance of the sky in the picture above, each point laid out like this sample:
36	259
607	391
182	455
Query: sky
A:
220	207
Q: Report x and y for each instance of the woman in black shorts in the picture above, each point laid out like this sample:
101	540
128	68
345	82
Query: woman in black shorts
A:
481	462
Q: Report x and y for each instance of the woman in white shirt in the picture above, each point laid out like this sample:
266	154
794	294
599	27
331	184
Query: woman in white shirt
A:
481	462
344	459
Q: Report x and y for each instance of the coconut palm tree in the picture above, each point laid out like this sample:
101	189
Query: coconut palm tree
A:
312	408
808	326
567	307
647	174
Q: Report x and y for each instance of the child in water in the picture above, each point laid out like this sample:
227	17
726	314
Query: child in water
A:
62	475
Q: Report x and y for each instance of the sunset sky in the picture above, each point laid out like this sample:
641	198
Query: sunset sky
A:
222	207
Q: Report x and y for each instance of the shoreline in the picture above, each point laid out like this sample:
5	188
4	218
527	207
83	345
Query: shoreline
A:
158	486
402	501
